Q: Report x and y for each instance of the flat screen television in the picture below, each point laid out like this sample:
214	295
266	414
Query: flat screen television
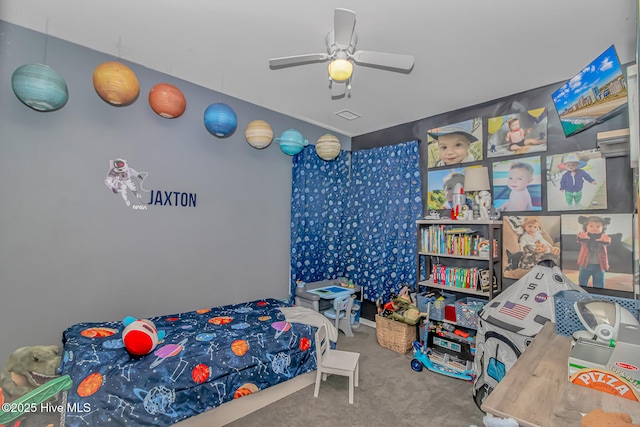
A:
595	94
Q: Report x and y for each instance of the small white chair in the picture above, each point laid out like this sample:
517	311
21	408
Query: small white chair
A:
345	363
341	314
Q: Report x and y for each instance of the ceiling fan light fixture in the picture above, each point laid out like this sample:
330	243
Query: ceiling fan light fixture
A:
340	69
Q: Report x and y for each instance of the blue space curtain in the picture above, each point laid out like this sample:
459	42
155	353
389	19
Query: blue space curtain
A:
357	222
318	199
380	231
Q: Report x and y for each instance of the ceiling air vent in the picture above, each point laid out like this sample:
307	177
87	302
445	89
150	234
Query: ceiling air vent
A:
346	114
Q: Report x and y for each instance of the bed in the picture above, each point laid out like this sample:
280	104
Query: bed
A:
207	357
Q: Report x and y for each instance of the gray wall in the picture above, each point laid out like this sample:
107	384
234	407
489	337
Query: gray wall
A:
71	251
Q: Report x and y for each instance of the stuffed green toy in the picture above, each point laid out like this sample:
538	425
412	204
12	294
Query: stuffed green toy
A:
27	369
29	379
406	312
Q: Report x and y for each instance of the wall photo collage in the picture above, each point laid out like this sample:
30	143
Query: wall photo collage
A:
527	186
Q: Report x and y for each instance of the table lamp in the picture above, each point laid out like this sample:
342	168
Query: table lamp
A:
475	180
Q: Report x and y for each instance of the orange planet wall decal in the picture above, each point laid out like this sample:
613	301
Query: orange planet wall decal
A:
116	83
167	101
90	385
239	347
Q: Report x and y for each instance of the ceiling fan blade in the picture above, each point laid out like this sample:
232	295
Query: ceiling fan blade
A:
385	60
289	61
344	22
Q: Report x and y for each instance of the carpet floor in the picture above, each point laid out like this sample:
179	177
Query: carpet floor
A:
390	394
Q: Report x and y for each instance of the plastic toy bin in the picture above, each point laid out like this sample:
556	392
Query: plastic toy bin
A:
467	310
567	321
437	306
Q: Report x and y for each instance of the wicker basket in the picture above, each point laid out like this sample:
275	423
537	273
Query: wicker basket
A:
394	335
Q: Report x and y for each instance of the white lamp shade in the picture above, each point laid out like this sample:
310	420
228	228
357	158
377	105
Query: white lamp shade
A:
476	179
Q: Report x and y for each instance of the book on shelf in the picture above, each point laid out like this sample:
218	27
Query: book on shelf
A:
473	278
484	248
455	277
483	281
445	240
459	230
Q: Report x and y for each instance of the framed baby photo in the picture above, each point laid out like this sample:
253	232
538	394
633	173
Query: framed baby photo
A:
517	133
526	240
454	144
597	250
441	184
517	185
576	181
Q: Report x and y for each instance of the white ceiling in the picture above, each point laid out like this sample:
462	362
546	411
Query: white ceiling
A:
467	51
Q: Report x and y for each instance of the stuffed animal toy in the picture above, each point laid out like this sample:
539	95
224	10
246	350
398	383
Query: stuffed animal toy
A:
27	369
140	336
406	312
405	295
600	418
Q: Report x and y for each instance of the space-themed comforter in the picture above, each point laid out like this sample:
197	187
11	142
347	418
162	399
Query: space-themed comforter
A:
207	357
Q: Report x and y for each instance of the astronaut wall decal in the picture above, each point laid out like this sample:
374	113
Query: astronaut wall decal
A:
122	178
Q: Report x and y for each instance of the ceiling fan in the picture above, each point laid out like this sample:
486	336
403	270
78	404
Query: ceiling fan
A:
341	51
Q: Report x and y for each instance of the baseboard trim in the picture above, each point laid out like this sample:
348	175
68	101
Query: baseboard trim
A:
367	322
